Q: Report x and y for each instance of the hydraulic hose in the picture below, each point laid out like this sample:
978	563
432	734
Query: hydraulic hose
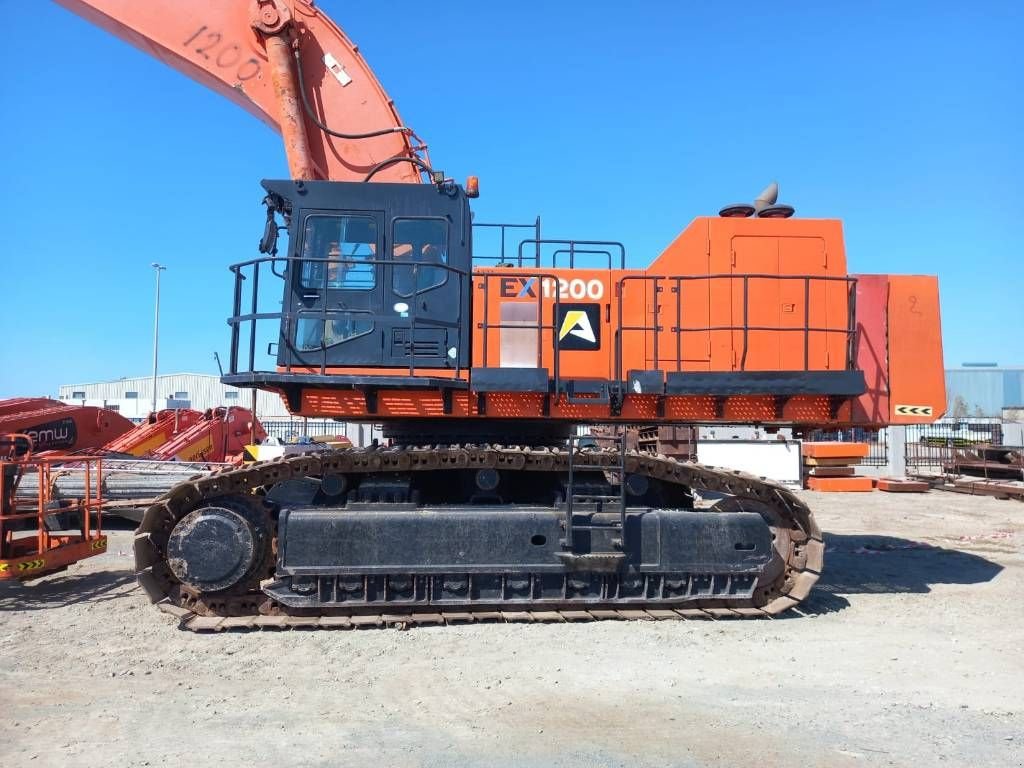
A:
399	159
316	121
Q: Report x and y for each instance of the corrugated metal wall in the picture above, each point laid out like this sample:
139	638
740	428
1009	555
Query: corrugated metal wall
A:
983	391
202	391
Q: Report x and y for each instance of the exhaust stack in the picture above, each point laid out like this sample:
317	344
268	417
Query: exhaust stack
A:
769	196
765	206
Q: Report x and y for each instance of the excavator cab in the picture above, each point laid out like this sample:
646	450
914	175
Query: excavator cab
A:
377	276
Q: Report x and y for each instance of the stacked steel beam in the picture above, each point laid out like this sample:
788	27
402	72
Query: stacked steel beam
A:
127	485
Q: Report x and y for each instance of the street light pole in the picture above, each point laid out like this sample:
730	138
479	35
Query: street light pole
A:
156	327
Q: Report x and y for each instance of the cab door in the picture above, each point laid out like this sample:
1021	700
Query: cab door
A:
337	290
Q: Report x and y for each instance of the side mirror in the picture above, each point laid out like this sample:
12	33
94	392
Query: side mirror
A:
268	243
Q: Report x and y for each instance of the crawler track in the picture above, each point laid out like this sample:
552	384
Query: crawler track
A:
797	539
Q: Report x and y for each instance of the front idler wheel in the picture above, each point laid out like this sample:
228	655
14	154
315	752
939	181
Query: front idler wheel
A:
214	548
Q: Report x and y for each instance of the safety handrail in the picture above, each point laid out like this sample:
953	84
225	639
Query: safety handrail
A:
502	228
572	250
289	318
88	506
656	327
656	321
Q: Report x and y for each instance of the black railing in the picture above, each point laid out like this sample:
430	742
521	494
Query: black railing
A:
288	320
572	249
501	258
657	316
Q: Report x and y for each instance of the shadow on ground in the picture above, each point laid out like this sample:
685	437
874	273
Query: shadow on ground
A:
854	564
66	589
118	523
865	564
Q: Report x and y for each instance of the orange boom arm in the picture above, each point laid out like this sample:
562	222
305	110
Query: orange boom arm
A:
253	53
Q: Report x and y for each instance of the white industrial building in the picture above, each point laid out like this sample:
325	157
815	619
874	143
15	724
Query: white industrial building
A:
133	398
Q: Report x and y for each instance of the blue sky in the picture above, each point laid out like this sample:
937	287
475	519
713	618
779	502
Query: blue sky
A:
612	121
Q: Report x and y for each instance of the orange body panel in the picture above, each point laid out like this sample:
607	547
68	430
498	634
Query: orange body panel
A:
415	403
872	350
737	251
518	306
917	382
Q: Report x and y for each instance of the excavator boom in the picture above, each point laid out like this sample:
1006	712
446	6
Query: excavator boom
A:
250	52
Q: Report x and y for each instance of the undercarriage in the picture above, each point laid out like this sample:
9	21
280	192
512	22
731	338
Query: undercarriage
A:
453	533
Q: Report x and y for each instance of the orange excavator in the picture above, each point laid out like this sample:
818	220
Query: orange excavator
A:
483	504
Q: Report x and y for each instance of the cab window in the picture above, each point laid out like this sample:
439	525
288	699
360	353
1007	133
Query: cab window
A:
417	245
348	242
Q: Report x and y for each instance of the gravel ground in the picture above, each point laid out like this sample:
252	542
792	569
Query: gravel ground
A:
910	652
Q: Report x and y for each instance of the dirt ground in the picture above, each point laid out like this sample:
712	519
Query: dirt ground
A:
910	652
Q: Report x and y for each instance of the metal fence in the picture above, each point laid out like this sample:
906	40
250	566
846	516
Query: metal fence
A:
937	448
293	429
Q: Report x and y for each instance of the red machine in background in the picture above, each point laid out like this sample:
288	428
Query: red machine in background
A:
157	430
54	425
32	543
220	435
